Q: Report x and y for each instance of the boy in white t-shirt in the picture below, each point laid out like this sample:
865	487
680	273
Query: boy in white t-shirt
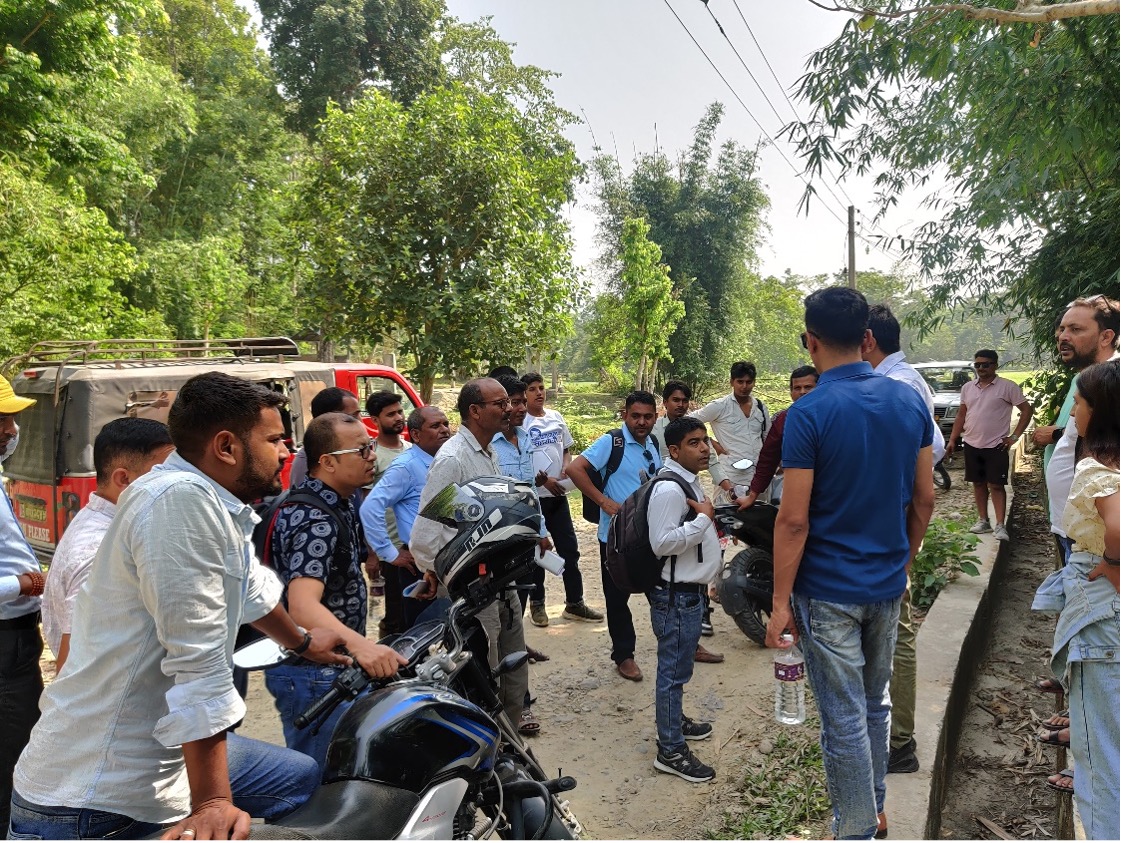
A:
551	442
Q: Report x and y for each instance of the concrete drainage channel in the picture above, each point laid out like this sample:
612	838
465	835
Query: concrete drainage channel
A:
949	645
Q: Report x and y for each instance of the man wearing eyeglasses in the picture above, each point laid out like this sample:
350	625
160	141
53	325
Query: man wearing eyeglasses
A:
318	550
484	406
984	419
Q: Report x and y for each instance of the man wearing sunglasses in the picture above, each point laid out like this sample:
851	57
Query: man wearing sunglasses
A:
984	419
318	551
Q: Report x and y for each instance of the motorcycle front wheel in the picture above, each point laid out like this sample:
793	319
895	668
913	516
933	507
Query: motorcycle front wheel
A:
750	613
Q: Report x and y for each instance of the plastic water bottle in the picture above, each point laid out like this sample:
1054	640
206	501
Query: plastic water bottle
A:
788	668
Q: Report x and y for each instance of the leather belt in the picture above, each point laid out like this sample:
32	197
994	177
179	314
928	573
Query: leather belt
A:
22	622
686	587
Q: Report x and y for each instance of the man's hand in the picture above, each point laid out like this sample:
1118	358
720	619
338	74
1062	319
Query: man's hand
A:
704	506
747	501
323	647
1044	435
373	565
610	506
405	559
215	819
554	486
1109	572
545	544
377	660
429	591
716	446
781	621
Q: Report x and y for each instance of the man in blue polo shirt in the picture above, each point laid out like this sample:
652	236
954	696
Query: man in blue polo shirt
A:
841	548
640	460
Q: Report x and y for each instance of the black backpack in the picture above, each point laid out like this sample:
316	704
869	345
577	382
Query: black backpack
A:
629	557
267	510
591	512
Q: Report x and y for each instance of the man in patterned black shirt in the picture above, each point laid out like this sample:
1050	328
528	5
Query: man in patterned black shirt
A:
318	552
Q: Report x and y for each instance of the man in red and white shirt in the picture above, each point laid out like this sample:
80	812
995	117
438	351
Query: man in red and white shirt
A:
984	419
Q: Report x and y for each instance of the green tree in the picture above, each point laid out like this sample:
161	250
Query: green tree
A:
648	304
1012	129
336	49
432	221
706	214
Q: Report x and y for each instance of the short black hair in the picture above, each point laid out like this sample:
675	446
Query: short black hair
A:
502	372
988	354
678	430
672	387
379	401
320	436
213	402
329	400
639	396
512	384
416	420
470	394
1106	311
1099	385
837	316
803	372
743	369
127	441
885	328
532	377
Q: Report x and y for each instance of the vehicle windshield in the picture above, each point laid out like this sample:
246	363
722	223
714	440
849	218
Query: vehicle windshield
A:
946	378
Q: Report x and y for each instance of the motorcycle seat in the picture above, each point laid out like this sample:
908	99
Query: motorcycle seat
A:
345	810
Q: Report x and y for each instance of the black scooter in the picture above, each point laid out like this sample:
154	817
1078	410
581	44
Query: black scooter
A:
745	586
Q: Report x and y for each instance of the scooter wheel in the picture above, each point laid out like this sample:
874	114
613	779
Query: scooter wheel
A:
941	478
750	614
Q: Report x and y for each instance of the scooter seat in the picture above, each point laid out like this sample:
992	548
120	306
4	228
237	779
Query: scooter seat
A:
346	810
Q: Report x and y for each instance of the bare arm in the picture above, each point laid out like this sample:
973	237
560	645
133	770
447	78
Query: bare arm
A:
1025	413
1109	509
64	651
279	626
576	471
789	535
213	815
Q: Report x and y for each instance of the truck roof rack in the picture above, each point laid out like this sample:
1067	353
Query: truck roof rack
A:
132	353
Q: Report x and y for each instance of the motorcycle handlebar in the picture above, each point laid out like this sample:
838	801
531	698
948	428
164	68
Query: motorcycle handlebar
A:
319	708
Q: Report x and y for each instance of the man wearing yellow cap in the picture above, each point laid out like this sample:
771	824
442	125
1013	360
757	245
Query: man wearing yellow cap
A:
21	583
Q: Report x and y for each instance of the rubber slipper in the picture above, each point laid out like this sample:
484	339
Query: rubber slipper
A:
1053	737
528	723
1061	774
1060	720
1048	686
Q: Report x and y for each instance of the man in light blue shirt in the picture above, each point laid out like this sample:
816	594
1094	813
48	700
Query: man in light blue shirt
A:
640	460
21	583
399	490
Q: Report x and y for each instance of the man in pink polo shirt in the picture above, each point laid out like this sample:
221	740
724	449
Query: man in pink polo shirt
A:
985	420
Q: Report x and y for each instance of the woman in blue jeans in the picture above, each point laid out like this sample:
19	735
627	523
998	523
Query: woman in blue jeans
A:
1086	591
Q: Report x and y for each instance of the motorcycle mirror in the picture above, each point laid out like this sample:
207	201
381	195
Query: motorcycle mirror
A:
742	464
510	662
261	654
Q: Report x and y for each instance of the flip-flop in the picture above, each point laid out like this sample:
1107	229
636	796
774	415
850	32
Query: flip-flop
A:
528	723
1052	737
1048	685
1059	720
1061	774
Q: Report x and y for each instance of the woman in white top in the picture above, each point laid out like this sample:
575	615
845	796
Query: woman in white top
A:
1086	653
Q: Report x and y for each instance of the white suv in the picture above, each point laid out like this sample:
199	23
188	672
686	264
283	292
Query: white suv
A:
945	379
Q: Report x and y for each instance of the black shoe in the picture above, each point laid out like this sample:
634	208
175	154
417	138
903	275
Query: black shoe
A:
693	731
683	764
707	629
904	759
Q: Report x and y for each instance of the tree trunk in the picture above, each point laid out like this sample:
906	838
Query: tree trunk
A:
641	370
555	384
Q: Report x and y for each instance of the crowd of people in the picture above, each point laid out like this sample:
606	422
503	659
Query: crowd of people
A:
170	533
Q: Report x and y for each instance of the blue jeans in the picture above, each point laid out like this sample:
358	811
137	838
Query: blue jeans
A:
849	652
677	623
267	781
294	689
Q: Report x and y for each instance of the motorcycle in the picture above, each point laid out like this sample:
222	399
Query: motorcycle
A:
745	586
430	754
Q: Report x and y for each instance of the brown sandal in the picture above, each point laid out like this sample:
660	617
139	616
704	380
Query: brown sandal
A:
528	723
1048	685
1054	782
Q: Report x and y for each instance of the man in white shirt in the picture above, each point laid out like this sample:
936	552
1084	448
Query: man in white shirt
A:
124	450
681	528
133	734
739	421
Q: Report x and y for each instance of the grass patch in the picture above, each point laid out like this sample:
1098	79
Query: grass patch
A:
785	794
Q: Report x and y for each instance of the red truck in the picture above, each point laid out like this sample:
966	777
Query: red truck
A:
79	386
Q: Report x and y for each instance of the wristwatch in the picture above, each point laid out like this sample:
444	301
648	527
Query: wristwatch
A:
1057	435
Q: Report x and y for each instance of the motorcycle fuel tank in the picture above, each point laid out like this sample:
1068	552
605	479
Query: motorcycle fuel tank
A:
412	736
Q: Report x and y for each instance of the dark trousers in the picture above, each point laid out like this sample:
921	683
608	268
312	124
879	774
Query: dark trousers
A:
21	683
393	616
621	631
411	608
560	525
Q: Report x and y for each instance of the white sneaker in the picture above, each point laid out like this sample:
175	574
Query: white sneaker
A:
1001	533
981	526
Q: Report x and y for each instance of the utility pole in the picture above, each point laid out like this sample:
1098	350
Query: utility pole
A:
851	246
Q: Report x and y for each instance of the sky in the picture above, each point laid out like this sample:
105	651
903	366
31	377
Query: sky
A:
635	74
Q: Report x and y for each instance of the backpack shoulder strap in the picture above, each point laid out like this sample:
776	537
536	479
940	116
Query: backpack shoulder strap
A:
616	454
690	495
